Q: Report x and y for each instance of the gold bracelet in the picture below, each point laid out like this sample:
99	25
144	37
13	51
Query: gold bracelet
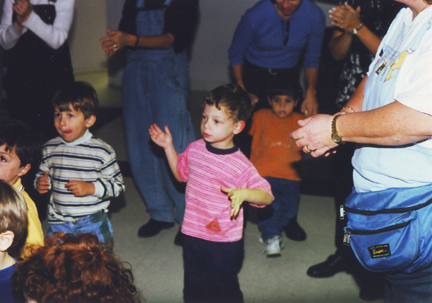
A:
349	107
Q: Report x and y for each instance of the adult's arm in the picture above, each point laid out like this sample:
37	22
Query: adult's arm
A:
242	38
310	104
238	74
393	124
54	35
346	18
178	26
311	63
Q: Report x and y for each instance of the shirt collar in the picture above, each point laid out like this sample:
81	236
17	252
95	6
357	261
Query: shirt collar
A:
219	151
78	141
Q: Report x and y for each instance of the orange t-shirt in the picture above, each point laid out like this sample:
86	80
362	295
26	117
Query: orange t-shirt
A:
274	153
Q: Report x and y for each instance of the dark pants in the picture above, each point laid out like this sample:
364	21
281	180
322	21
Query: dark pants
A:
409	288
211	269
258	80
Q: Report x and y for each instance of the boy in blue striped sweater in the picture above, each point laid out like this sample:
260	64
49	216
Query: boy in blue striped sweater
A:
80	170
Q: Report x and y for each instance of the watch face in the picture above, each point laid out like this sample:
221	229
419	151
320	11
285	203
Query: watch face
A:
336	138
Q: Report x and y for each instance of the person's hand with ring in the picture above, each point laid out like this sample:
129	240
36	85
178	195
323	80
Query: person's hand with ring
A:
314	136
116	40
345	17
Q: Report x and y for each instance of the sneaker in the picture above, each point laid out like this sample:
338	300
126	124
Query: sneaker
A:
273	247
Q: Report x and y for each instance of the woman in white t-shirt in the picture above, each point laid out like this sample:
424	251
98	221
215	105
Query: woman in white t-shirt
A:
389	116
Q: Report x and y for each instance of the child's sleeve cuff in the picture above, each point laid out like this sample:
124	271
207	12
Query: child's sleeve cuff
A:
99	189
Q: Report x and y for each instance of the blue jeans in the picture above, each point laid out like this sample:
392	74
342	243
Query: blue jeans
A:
273	217
409	288
155	91
211	269
97	224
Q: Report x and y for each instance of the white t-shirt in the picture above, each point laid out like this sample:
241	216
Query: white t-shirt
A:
402	71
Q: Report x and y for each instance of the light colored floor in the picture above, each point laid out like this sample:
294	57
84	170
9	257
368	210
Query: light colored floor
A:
157	263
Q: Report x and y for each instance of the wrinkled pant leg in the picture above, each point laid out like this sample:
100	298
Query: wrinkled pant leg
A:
149	97
409	288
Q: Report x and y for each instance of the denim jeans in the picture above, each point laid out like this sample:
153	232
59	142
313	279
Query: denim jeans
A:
409	288
155	86
97	224
273	217
211	269
154	92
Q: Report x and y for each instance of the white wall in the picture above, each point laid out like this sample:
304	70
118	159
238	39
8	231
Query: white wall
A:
209	65
88	28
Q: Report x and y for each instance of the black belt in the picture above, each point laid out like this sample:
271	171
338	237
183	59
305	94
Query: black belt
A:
272	71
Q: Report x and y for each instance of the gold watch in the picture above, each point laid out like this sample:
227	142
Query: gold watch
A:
335	135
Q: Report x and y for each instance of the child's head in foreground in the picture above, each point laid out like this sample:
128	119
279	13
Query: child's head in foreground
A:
75	107
19	148
225	112
283	98
74	268
13	218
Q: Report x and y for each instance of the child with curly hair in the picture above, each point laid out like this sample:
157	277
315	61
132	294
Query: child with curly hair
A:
75	268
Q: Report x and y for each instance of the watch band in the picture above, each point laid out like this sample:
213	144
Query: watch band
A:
335	135
356	30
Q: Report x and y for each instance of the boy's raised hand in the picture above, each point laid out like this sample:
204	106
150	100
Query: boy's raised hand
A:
163	139
237	197
43	183
80	188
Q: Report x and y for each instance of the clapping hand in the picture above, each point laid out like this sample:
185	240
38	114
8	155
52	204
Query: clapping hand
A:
345	17
23	9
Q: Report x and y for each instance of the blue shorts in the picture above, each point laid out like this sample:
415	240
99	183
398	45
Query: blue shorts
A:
97	224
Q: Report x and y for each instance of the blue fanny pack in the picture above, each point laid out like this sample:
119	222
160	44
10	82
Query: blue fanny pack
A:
391	230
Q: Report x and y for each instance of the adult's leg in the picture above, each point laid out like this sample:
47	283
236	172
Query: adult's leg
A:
343	187
406	288
152	93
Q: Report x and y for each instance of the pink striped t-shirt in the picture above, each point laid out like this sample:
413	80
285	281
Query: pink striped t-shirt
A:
206	169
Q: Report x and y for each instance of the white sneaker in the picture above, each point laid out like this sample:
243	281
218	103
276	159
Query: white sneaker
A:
273	247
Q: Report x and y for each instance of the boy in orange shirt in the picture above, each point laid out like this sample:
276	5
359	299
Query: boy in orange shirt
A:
277	159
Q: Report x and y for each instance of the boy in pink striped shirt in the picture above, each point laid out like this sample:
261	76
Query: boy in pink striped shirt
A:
219	179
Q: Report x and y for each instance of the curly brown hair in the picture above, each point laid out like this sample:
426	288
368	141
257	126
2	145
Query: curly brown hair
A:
72	269
235	99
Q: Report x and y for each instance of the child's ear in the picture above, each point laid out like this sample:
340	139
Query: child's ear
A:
6	240
296	101
269	100
24	170
90	121
238	127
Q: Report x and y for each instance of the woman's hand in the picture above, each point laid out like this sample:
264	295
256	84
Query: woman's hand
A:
23	9
115	41
345	17
314	136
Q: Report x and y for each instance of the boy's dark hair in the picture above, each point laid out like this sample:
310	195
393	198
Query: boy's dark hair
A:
284	88
234	98
13	212
80	95
18	135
